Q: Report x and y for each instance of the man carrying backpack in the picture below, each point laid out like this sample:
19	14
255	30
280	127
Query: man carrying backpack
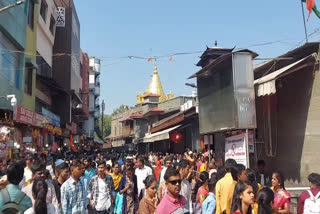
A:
309	201
12	199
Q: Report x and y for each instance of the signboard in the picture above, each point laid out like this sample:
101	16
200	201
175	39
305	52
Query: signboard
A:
72	127
52	118
26	116
235	148
61	17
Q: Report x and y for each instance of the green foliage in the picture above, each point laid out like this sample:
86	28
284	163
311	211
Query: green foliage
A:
106	125
122	108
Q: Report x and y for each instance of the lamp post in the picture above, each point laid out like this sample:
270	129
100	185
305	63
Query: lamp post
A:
102	109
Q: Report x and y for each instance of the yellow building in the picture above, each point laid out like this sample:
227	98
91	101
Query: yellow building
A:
30	70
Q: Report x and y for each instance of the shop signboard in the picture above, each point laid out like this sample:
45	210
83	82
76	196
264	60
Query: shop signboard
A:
52	118
236	148
26	116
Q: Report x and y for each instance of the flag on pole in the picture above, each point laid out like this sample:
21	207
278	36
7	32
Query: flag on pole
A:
150	59
311	6
170	59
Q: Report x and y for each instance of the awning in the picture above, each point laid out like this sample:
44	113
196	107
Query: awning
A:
267	85
162	135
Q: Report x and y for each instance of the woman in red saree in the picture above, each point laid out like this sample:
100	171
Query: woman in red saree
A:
281	196
157	170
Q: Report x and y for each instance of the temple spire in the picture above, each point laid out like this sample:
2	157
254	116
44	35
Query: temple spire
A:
155	86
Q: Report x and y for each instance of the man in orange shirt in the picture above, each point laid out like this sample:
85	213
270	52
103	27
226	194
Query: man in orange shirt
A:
225	188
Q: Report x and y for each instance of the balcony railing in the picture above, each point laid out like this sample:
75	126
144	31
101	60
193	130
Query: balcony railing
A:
97	114
43	68
96	91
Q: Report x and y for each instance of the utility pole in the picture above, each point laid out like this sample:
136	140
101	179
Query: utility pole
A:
12	5
102	108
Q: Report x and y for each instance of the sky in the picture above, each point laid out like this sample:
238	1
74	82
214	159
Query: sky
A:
113	29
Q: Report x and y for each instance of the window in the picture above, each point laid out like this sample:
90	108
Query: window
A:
31	14
28	80
52	24
43	10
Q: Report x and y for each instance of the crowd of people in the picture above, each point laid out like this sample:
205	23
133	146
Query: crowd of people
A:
146	184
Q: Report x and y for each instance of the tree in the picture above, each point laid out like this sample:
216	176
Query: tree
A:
106	125
122	108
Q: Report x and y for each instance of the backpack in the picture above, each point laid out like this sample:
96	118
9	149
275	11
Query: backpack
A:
312	204
10	207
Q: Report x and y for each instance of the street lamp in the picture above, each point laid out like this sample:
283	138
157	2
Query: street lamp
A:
12	98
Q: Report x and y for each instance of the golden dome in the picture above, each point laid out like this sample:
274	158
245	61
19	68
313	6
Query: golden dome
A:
155	86
139	98
170	95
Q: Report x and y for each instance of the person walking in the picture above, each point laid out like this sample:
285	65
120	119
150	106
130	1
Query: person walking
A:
183	168
313	193
263	177
28	169
129	189
101	192
172	202
209	204
116	176
73	193
142	172
201	191
149	202
38	171
225	188
12	193
89	170
243	198
62	174
265	201
39	192
281	196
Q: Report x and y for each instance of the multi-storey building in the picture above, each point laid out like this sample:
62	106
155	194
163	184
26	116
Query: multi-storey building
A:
91	124
13	28
66	63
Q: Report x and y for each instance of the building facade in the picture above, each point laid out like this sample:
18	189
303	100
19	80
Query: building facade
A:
91	124
66	63
13	29
156	118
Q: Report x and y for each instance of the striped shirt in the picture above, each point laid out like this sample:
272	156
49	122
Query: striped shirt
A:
73	197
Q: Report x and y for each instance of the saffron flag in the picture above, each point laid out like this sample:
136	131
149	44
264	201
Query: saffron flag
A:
150	59
310	5
170	59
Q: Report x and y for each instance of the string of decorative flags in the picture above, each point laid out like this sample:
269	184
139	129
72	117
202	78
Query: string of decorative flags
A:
311	6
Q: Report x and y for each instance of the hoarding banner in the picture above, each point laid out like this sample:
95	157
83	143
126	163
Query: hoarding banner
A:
52	118
26	116
235	148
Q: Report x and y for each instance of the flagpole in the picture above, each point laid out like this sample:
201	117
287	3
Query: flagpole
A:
304	22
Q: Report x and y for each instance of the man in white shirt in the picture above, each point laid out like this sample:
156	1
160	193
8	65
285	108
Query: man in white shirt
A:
184	167
169	163
142	172
38	172
27	170
101	191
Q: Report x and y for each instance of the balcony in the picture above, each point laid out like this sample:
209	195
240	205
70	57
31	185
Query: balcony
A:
95	65
97	114
44	69
127	131
96	91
